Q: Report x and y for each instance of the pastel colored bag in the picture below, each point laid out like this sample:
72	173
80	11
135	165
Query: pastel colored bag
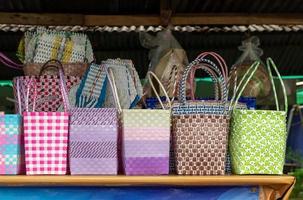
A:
258	137
48	89
200	129
46	135
129	87
94	141
10	144
92	89
146	139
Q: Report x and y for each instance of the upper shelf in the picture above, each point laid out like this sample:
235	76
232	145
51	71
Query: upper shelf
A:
57	19
145	180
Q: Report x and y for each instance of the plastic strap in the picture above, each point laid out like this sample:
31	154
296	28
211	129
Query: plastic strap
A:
220	60
270	63
18	95
111	79
210	71
149	74
201	61
29	84
242	85
51	63
8	62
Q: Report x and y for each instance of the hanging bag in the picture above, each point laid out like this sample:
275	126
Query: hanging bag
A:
258	137
46	134
146	138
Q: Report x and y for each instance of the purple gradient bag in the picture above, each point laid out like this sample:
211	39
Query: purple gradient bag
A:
146	138
93	141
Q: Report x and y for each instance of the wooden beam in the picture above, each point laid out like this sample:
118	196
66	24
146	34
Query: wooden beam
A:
121	20
40	19
237	19
146	20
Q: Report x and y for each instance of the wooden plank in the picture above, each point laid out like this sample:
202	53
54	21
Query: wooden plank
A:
41	19
146	180
121	20
237	19
146	20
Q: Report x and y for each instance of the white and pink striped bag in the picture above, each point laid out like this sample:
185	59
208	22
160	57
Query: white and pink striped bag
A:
46	135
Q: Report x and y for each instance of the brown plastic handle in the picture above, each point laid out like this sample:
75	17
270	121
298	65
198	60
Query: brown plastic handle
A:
53	63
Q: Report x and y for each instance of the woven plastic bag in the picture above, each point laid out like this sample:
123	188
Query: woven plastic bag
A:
10	144
43	44
91	92
94	139
129	87
258	137
46	135
200	129
49	97
146	139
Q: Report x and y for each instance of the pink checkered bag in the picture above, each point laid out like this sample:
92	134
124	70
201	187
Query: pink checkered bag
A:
46	135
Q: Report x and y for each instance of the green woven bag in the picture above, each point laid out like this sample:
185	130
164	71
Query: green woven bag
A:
258	137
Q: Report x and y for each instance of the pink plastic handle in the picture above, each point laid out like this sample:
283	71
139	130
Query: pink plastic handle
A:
220	60
210	71
222	65
8	62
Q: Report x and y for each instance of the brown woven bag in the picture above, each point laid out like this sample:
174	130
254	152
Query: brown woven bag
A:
70	69
200	129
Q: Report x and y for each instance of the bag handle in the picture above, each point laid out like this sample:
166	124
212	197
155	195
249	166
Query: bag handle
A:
53	63
31	83
111	79
8	62
201	61
18	90
149	74
211	72
270	63
242	84
219	59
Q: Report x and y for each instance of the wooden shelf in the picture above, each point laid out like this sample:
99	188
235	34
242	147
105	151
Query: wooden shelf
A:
144	180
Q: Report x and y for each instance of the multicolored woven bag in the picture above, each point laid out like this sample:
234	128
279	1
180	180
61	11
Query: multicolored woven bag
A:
128	83
258	137
49	97
146	139
92	89
200	129
46	135
94	140
43	44
10	144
